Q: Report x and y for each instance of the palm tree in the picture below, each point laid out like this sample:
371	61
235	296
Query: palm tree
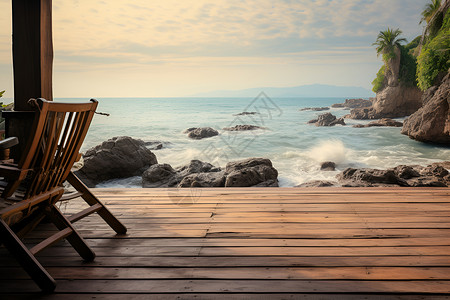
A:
430	10
387	41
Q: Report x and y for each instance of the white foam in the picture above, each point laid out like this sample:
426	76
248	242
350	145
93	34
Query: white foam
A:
329	150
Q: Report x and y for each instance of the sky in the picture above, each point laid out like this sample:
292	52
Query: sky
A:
173	48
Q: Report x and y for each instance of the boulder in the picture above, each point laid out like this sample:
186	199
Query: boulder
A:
197	166
243	128
316	183
155	145
328	166
119	157
212	179
201	133
431	123
250	172
158	175
327	119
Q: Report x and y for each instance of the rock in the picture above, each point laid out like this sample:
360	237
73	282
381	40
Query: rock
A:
406	172
431	123
315	108
119	157
338	105
328	166
380	123
197	166
327	119
353	103
245	113
201	133
444	164
243	128
396	101
359	114
155	145
339	121
158	175
370	177
249	172
317	183
415	176
212	179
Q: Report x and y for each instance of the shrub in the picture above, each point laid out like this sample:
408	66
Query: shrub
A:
435	56
378	82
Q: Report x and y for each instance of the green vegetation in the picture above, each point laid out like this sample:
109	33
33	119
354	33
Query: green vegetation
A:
387	41
408	66
430	10
378	82
1	93
435	55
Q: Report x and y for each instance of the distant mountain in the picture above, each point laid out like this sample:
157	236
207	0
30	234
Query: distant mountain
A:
313	90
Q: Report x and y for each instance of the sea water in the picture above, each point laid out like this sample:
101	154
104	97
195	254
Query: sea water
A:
295	147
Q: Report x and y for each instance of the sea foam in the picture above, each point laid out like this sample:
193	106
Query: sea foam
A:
329	150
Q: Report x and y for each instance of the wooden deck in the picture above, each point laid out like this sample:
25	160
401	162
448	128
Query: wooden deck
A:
271	243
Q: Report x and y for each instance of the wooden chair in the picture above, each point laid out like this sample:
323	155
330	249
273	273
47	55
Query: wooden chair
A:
34	185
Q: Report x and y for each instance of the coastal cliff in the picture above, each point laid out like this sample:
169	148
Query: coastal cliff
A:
431	123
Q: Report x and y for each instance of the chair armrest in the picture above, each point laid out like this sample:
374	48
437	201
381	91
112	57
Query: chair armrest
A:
8	143
12	172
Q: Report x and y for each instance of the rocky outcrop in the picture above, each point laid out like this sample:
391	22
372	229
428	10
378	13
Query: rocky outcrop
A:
431	123
119	157
243	128
250	172
412	176
385	122
327	119
201	133
244	173
353	103
391	102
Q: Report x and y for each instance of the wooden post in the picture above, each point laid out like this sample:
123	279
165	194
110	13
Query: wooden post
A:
32	65
32	51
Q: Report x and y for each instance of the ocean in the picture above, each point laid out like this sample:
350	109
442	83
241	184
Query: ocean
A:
295	148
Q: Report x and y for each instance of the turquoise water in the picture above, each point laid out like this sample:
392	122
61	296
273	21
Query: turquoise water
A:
295	147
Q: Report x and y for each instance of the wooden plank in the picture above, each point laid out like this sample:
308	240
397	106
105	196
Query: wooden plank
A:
235	286
239	261
243	273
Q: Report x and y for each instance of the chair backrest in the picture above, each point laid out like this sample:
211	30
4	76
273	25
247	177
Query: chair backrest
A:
58	133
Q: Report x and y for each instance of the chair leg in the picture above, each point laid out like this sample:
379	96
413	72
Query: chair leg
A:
26	259
75	239
90	198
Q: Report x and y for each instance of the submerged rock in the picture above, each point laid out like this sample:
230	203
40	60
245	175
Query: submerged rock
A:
245	113
315	108
201	133
328	166
386	122
243	128
119	157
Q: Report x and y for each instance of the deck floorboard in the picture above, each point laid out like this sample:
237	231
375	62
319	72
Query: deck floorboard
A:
247	243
